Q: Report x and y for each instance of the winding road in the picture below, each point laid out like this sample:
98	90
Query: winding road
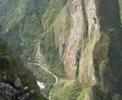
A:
40	61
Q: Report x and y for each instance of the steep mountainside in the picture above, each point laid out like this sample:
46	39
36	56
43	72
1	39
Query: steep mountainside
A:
70	49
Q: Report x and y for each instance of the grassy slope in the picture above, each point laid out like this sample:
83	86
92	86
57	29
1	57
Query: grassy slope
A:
47	36
68	90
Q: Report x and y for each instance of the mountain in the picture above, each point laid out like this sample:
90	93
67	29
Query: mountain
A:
63	49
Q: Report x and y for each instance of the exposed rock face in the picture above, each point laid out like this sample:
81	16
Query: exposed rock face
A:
8	92
72	44
86	66
101	22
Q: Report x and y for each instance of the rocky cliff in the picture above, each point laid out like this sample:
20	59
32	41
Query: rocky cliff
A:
72	48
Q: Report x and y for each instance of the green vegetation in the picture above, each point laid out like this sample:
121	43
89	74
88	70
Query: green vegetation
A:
50	14
13	68
25	25
47	36
51	54
68	90
101	47
16	15
22	22
25	22
43	76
